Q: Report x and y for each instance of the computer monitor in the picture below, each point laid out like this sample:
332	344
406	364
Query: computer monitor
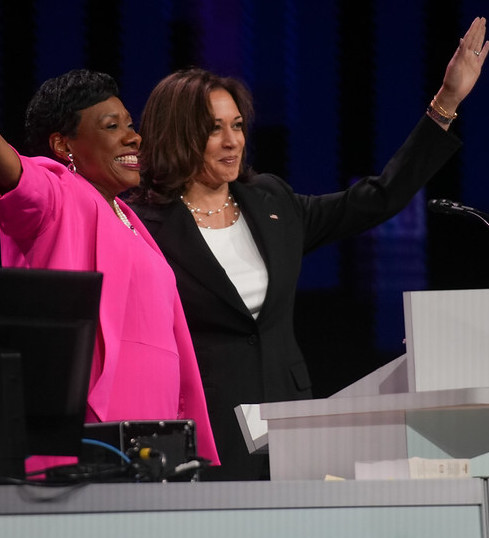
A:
48	323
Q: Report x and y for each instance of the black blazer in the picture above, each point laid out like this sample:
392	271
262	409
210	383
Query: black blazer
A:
246	361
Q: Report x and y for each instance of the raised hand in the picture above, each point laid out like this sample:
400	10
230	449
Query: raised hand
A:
465	66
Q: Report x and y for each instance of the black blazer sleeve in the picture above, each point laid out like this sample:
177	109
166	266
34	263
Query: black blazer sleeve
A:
372	200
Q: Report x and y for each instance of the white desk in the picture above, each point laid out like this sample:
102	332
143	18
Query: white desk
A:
367	509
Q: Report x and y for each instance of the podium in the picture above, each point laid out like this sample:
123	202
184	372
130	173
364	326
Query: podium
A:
432	402
310	439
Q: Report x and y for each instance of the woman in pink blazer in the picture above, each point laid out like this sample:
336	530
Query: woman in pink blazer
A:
61	211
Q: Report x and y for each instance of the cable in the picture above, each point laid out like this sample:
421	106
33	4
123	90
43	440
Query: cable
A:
108	447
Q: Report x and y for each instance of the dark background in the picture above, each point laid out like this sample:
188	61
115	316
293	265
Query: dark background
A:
337	85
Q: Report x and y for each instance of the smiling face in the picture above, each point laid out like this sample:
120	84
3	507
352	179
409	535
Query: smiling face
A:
224	149
105	148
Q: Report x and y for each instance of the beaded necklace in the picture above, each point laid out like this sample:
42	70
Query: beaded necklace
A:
123	217
199	213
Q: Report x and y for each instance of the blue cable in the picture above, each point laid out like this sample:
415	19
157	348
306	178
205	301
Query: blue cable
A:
108	447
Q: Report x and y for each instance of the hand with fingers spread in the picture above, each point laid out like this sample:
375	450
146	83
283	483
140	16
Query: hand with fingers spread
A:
461	74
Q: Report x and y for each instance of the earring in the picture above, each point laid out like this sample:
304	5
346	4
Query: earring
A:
71	166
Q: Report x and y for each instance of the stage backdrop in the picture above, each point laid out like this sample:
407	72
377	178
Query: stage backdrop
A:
338	85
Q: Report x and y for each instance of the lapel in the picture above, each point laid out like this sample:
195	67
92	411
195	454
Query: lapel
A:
263	214
174	230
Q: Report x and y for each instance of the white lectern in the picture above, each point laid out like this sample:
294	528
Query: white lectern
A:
432	402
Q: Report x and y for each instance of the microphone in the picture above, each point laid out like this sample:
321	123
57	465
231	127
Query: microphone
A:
454	208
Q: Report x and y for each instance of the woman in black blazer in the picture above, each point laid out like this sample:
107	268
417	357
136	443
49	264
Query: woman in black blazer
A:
235	240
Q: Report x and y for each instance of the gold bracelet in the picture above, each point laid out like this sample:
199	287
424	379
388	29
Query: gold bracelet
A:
436	105
439	117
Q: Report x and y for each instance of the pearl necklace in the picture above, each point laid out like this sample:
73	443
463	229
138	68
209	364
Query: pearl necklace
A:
123	217
198	213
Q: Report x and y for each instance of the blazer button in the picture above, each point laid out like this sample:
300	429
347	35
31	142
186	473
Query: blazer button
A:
252	339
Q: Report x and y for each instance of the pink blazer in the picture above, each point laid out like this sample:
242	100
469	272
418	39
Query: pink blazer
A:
56	220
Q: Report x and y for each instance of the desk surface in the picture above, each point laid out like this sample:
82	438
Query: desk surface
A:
368	509
239	495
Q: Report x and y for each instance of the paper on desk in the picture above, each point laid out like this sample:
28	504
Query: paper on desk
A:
412	468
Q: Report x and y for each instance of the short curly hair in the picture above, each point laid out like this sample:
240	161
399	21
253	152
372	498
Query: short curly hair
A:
56	106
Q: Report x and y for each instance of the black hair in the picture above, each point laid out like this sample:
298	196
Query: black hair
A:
56	106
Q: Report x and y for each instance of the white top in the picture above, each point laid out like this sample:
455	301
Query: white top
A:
236	251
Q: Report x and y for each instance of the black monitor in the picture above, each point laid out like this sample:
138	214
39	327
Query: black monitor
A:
48	323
